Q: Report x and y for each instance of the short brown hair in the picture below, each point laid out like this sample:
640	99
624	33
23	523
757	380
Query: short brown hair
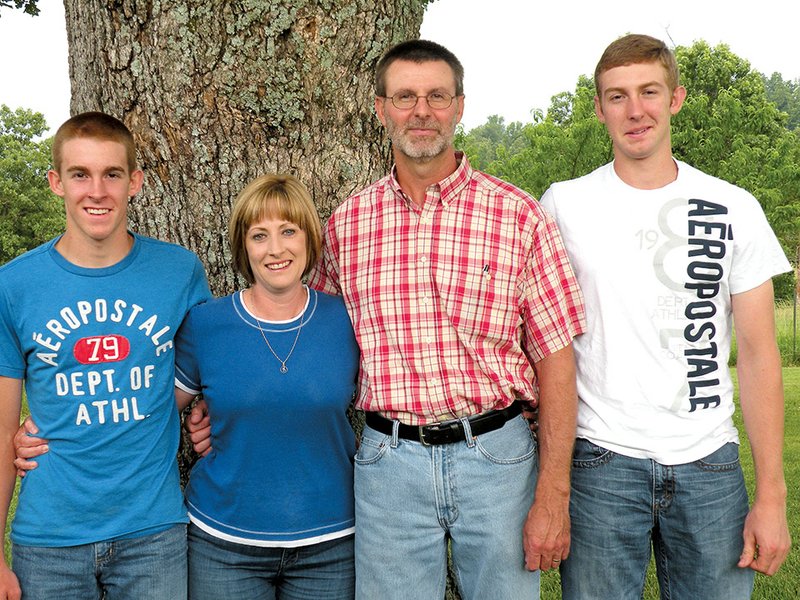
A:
278	196
95	125
634	49
418	51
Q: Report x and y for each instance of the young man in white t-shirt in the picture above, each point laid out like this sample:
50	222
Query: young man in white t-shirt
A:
665	255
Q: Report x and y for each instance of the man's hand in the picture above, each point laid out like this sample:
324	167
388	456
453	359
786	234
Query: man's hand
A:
9	586
766	538
27	446
545	536
198	424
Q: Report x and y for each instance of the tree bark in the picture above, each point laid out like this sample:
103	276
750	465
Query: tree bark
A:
219	92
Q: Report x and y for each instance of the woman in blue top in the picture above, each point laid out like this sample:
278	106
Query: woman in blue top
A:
271	504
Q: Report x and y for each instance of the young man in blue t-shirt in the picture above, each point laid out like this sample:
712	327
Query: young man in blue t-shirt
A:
87	322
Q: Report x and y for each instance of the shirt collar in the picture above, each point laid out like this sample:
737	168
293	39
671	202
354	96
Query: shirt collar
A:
449	188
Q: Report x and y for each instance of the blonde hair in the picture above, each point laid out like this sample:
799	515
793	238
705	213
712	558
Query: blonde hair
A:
635	49
277	196
96	125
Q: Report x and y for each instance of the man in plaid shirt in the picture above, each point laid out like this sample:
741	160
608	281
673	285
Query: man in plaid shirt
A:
465	307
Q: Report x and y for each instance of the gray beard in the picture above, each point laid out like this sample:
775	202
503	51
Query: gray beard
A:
421	152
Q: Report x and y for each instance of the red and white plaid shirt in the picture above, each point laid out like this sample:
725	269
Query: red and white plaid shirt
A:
450	300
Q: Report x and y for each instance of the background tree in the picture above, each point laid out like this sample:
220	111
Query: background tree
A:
786	96
218	92
29	213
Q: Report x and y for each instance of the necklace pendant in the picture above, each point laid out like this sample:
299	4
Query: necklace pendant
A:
284	369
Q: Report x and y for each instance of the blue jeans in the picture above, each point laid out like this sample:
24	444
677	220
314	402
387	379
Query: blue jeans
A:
691	514
223	570
150	566
412	498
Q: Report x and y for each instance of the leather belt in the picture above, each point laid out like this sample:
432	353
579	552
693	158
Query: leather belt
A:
445	432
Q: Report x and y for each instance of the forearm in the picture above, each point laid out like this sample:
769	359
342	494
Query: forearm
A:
10	401
546	536
762	403
9	586
8	476
766	531
557	416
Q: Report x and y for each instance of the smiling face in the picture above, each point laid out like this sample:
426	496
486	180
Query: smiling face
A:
420	133
95	182
636	104
277	252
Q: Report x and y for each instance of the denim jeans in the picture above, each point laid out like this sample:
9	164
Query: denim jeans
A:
692	515
223	570
412	498
150	566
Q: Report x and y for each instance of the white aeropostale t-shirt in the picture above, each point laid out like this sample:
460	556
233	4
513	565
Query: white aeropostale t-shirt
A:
657	269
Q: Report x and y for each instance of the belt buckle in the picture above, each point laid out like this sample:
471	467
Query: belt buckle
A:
421	429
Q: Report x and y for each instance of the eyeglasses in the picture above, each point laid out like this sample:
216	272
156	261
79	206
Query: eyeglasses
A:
436	100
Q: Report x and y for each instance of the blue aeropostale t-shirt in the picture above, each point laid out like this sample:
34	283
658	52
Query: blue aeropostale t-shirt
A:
95	348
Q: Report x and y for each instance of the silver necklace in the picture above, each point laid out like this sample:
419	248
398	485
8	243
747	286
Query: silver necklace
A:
284	368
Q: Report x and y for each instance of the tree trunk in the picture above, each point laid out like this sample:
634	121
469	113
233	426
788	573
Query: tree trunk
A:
218	92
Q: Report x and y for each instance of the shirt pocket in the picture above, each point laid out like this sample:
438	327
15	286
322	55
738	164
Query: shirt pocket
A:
480	297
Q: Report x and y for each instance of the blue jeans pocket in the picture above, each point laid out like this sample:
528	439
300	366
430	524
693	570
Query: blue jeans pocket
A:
372	447
587	455
504	449
725	458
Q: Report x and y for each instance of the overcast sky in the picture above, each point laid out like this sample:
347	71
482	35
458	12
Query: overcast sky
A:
516	53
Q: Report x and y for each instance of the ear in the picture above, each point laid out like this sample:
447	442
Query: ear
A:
135	186
380	103
678	96
460	100
54	179
598	110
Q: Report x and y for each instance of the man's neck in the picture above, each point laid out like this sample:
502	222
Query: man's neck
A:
92	254
414	176
649	173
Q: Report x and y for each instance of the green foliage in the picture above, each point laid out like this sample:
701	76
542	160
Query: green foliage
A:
567	143
27	6
29	213
728	127
786	96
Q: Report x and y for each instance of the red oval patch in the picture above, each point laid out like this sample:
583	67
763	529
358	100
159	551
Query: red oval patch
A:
101	349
